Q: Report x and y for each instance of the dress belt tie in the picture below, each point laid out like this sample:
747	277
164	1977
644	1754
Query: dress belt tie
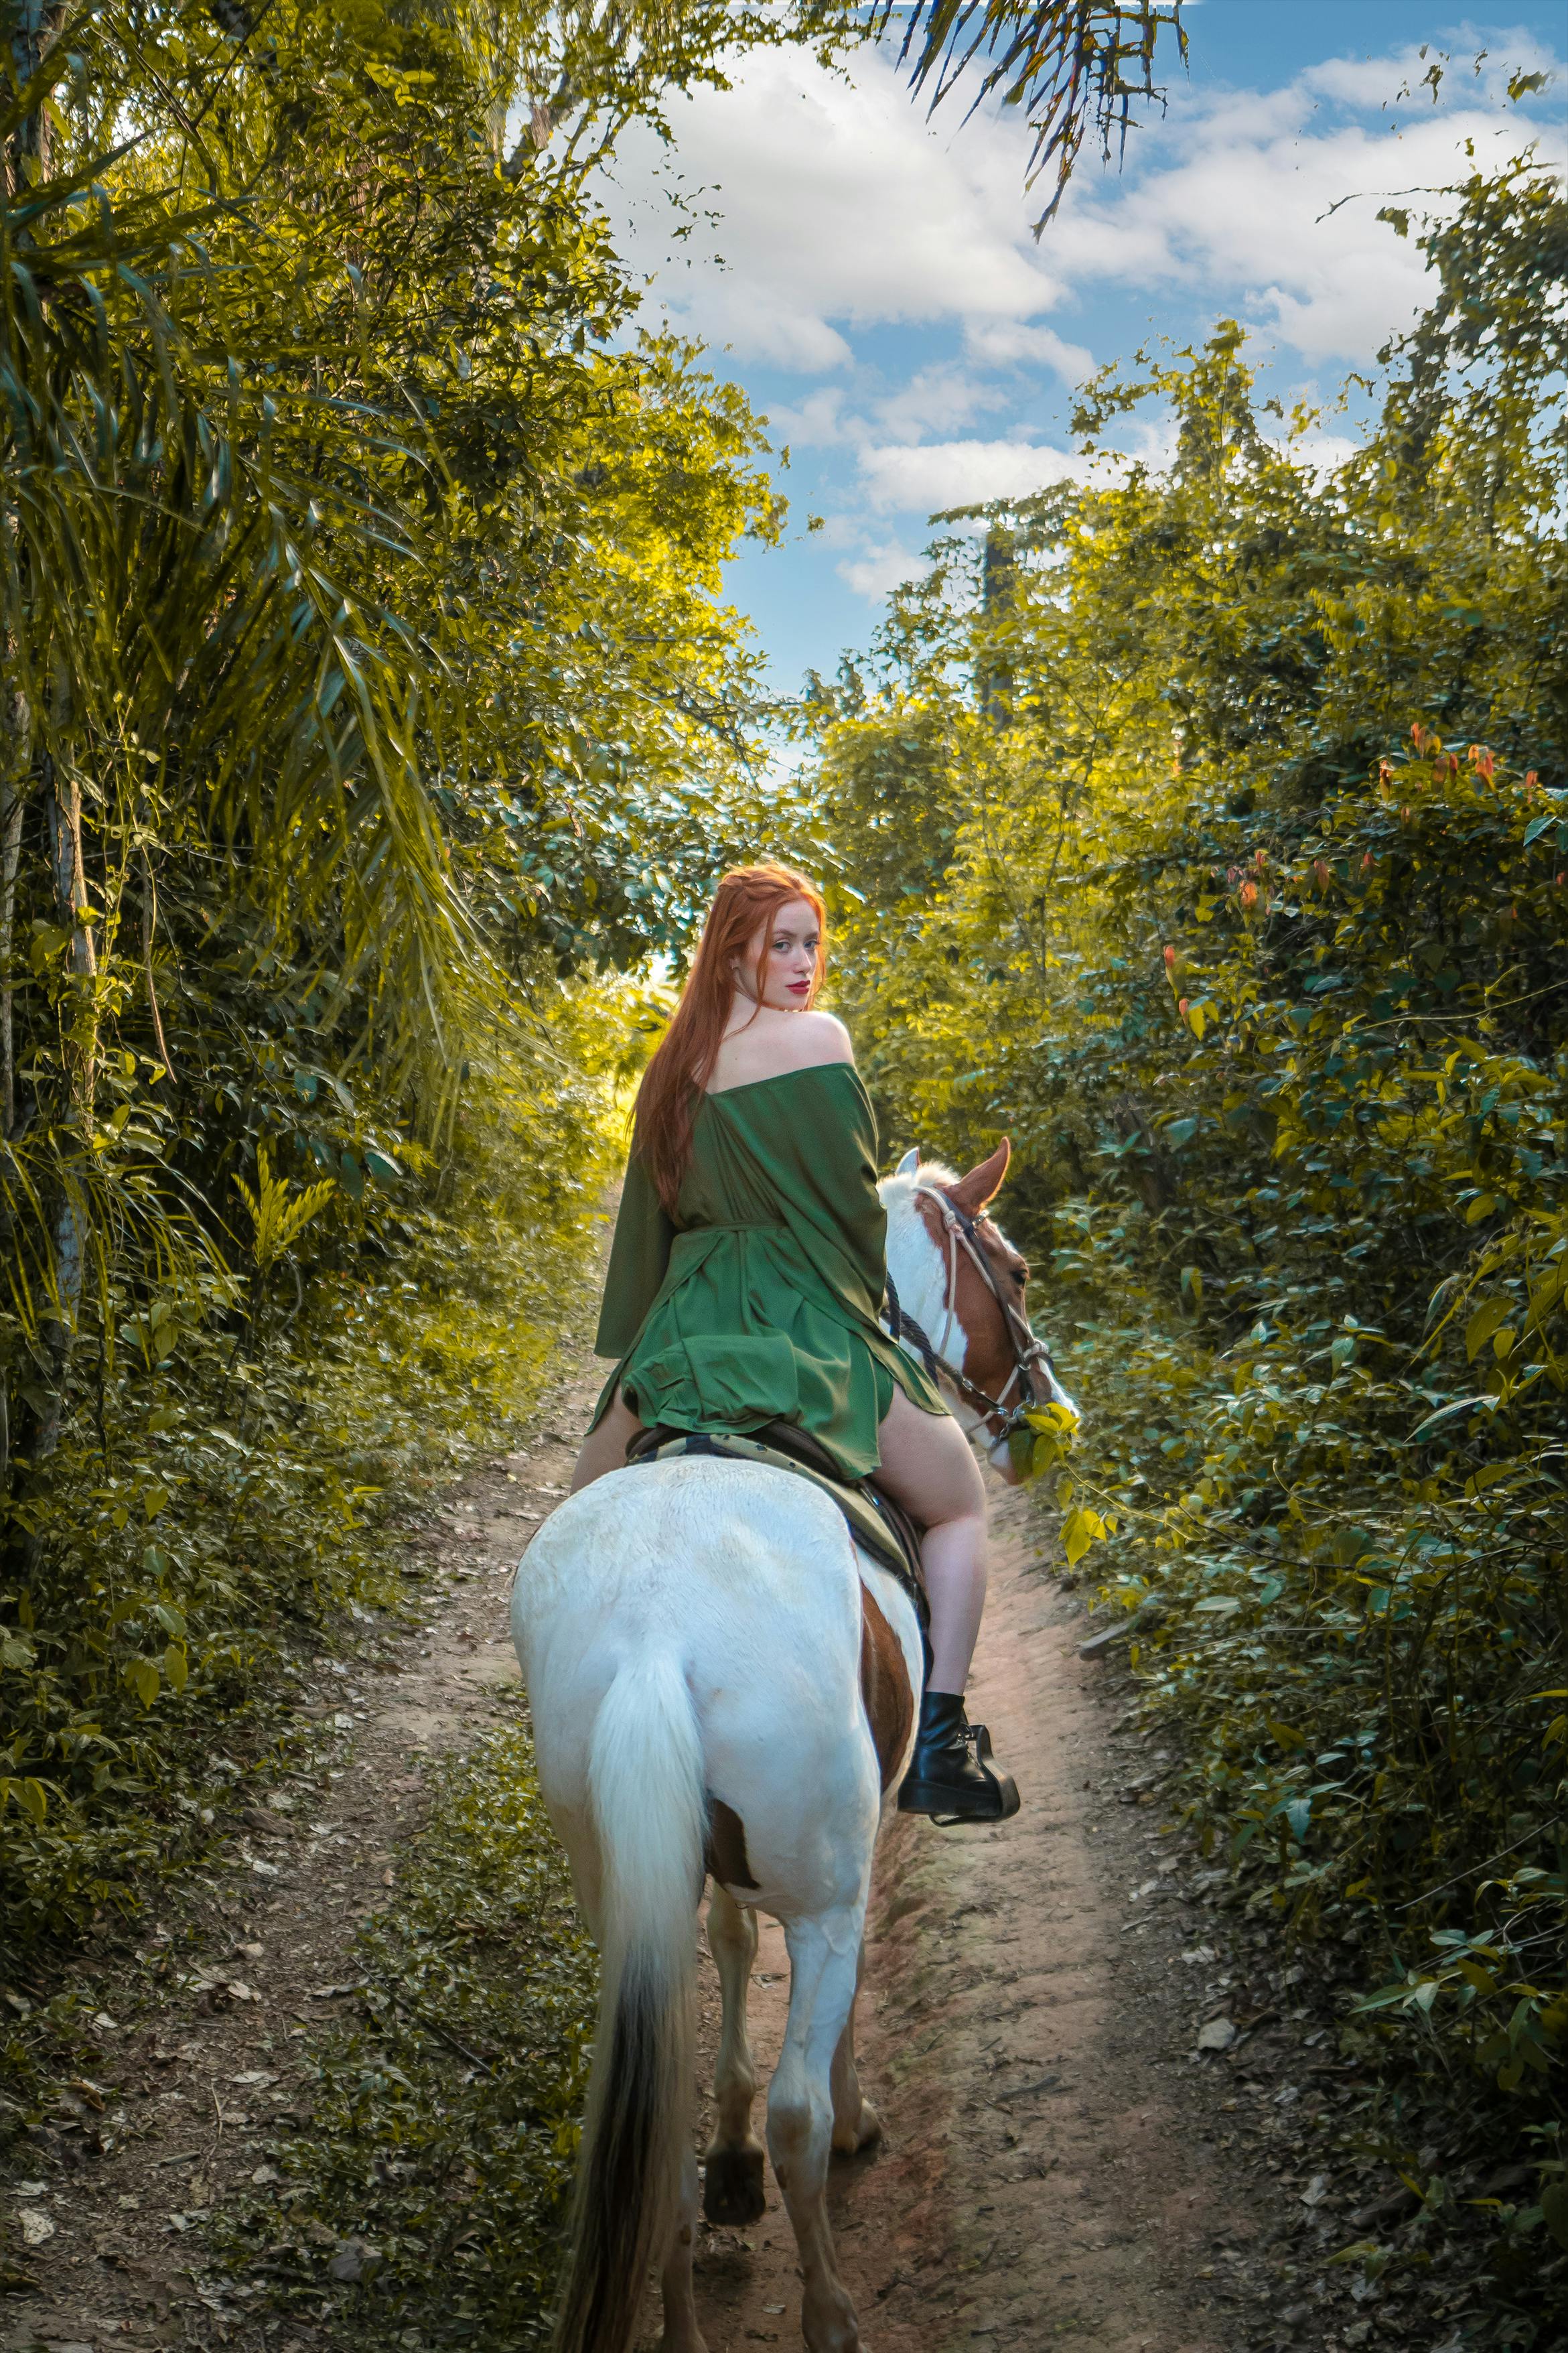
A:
740	1225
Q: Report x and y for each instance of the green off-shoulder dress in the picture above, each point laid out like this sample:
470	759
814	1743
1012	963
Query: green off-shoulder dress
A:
758	1301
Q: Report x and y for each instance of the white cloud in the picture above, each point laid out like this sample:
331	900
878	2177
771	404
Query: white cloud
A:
936	398
839	204
926	478
1005	341
883	565
1244	206
817	422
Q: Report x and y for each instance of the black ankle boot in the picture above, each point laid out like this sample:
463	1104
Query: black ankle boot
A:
951	1774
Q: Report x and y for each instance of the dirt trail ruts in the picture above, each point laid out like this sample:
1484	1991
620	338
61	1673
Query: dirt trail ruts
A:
1053	2173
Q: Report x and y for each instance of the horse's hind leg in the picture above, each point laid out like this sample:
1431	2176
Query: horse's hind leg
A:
681	2333
855	2124
823	1961
734	2190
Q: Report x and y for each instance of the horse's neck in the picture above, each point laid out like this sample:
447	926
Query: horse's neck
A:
915	1263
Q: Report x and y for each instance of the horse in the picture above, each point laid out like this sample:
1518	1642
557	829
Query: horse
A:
723	1687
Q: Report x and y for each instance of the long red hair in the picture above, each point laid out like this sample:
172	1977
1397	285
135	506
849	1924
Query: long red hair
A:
747	899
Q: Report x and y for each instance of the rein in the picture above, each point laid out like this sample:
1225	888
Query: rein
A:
1029	1350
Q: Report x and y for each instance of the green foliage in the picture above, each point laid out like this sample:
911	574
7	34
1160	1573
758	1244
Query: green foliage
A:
1217	824
444	2124
225	1502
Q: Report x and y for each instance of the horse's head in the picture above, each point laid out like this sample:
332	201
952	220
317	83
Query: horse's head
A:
961	1284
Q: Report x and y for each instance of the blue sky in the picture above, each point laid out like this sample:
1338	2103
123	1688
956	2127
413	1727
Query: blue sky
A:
870	278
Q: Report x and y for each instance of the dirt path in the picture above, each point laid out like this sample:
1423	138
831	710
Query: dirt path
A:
1055	2171
1062	2168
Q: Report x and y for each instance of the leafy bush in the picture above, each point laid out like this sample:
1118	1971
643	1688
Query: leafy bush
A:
221	1500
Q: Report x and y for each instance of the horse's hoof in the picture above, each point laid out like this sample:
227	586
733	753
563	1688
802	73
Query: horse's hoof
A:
732	2189
863	2135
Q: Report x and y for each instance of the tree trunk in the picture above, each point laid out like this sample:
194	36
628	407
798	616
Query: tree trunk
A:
78	1040
33	26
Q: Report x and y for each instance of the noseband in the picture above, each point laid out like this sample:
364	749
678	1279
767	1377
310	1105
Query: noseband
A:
1028	1349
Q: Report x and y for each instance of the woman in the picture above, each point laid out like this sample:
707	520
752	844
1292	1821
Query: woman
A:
747	1274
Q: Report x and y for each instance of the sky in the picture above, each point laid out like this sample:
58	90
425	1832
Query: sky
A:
870	277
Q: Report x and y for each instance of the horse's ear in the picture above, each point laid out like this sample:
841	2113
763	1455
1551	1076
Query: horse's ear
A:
982	1184
909	1164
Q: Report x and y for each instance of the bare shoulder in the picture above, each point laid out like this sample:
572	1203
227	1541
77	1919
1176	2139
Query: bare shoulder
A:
816	1038
773	1044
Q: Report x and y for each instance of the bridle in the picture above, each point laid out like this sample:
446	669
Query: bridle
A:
1029	1350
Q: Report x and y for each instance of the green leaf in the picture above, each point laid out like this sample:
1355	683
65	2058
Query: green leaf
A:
1483	1324
142	1676
1080	1529
1555	2209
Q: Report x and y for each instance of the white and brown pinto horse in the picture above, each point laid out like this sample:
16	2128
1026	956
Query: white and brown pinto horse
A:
724	1687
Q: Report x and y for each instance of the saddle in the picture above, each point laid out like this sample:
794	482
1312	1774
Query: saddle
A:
878	1524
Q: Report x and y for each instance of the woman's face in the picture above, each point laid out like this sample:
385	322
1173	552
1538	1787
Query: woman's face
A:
784	952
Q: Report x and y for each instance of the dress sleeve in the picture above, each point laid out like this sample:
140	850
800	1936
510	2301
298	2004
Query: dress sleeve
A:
831	1202
639	1260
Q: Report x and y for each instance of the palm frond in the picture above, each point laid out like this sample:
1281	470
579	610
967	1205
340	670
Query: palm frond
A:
1067	63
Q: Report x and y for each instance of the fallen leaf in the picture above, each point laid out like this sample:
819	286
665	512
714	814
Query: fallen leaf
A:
36	2227
355	2260
1217	2035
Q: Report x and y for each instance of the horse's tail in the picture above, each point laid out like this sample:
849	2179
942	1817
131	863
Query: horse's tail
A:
644	1777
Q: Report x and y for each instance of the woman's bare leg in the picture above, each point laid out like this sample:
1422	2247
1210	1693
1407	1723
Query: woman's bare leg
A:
604	1448
927	1467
